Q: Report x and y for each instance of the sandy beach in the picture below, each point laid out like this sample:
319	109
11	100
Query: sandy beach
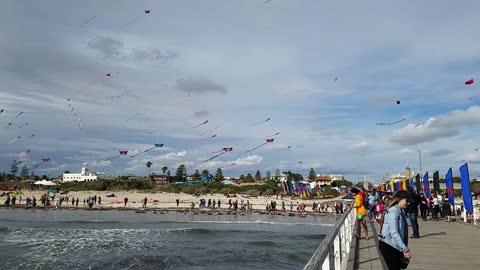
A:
167	201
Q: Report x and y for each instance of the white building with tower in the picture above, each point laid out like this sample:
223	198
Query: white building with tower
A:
84	176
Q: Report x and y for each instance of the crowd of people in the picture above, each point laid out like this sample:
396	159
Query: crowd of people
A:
391	212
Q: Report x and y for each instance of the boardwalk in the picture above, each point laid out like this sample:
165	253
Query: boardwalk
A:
442	246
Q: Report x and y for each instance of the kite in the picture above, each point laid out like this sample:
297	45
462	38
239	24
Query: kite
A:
145	12
297	163
273	135
286	148
14	140
2	110
211	137
45	159
68	101
267	1
95	39
469	81
24	154
31	136
417	125
266	141
398	101
9	124
26	124
87	20
205	122
156	145
19	114
391	123
335	79
229	165
266	120
117	97
224	150
121	153
133	117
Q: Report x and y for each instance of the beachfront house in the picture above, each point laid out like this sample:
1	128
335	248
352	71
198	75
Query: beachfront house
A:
161	179
84	176
323	180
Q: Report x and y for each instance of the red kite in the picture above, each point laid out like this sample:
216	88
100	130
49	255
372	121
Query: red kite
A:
469	81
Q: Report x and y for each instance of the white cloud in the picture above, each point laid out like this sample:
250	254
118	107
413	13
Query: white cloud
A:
361	147
442	126
406	151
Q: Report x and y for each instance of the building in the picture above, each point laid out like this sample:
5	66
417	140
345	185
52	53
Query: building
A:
161	179
84	176
337	177
323	180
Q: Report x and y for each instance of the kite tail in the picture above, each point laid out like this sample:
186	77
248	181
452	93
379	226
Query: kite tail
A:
256	148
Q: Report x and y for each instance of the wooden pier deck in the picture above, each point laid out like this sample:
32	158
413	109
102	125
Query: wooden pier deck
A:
441	245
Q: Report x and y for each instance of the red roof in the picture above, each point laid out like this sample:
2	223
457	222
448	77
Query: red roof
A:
323	178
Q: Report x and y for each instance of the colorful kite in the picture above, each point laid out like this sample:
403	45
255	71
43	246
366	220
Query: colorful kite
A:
156	145
121	153
391	123
469	81
45	159
133	117
229	165
14	140
273	135
24	154
88	20
266	120
204	123
225	150
266	141
145	12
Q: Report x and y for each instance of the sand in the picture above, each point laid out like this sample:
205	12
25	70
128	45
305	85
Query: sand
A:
167	200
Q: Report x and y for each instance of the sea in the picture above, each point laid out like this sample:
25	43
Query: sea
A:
90	239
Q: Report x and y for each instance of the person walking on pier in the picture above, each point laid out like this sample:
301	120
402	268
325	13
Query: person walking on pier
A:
361	213
412	211
393	244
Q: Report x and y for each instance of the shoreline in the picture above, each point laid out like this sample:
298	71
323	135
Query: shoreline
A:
196	211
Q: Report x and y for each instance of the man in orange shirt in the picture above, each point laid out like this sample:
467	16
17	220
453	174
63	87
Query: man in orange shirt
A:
361	212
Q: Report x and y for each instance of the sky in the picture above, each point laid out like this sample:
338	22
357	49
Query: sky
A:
324	73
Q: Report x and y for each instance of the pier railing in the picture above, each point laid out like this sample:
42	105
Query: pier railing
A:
334	250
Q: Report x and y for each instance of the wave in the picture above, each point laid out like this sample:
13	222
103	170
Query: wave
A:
256	222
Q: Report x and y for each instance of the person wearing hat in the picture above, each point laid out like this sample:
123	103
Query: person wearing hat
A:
361	212
393	244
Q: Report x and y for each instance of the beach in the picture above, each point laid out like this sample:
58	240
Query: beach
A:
167	201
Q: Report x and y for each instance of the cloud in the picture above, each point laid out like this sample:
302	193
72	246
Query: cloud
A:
153	55
247	161
443	126
200	86
361	147
107	46
406	151
473	158
200	113
440	152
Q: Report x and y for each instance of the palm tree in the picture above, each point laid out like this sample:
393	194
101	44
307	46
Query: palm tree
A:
164	169
148	166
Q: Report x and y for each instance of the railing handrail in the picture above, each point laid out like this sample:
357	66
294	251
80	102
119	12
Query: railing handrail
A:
323	250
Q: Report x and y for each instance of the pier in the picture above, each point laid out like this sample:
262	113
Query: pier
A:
442	245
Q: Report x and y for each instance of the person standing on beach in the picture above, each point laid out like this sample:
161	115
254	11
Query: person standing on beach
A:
145	200
393	244
213	204
76	203
371	205
178	202
99	200
34	202
361	213
125	202
218	203
192	206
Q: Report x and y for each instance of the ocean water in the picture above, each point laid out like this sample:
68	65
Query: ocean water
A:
65	239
